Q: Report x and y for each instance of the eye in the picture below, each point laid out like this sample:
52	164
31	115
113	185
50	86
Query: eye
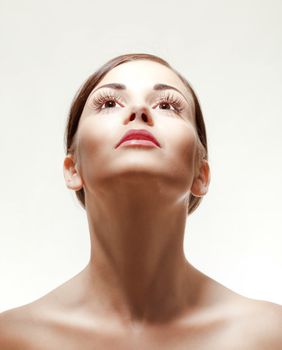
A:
107	100
109	104
164	104
170	103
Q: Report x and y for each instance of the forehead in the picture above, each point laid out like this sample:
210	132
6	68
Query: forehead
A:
143	75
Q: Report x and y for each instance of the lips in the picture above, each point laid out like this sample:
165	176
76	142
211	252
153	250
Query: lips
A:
138	134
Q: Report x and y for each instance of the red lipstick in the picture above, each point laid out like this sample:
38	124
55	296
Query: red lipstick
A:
138	134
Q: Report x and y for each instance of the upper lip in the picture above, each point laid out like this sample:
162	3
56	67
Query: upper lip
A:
138	134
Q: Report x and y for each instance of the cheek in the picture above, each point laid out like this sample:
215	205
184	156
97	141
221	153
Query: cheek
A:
180	152
89	143
185	141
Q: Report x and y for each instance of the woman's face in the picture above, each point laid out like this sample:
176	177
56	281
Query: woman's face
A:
166	113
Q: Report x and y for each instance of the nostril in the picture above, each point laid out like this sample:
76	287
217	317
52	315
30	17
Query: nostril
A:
144	116
132	116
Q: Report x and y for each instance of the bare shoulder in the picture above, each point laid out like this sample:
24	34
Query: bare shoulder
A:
267	322
28	326
24	326
248	323
14	328
259	324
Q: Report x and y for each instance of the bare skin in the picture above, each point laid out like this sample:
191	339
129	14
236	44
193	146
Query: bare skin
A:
65	319
138	290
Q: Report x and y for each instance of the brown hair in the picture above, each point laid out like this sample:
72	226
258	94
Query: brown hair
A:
84	91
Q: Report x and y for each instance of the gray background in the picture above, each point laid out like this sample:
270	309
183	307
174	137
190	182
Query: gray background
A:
230	51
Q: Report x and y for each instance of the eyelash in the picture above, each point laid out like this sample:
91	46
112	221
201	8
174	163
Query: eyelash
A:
102	98
174	101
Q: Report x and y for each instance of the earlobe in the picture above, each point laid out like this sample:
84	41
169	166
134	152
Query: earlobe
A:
72	178
201	181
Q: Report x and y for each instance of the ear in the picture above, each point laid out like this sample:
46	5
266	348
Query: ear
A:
72	178
201	181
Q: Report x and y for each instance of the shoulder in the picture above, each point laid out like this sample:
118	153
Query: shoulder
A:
260	324
267	321
25	327
251	323
14	327
22	327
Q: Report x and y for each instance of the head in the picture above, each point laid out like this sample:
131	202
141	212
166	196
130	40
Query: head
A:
181	116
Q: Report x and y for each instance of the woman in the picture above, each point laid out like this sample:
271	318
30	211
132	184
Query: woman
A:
137	158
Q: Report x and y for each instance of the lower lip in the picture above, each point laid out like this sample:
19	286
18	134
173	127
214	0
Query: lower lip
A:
144	143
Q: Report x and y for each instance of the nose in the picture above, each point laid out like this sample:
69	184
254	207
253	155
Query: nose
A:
141	113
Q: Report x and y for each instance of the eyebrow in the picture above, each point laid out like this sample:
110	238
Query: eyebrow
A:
156	87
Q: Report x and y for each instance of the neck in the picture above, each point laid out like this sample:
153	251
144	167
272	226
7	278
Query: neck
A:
137	270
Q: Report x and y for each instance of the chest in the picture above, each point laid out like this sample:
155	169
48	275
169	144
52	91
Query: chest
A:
211	338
